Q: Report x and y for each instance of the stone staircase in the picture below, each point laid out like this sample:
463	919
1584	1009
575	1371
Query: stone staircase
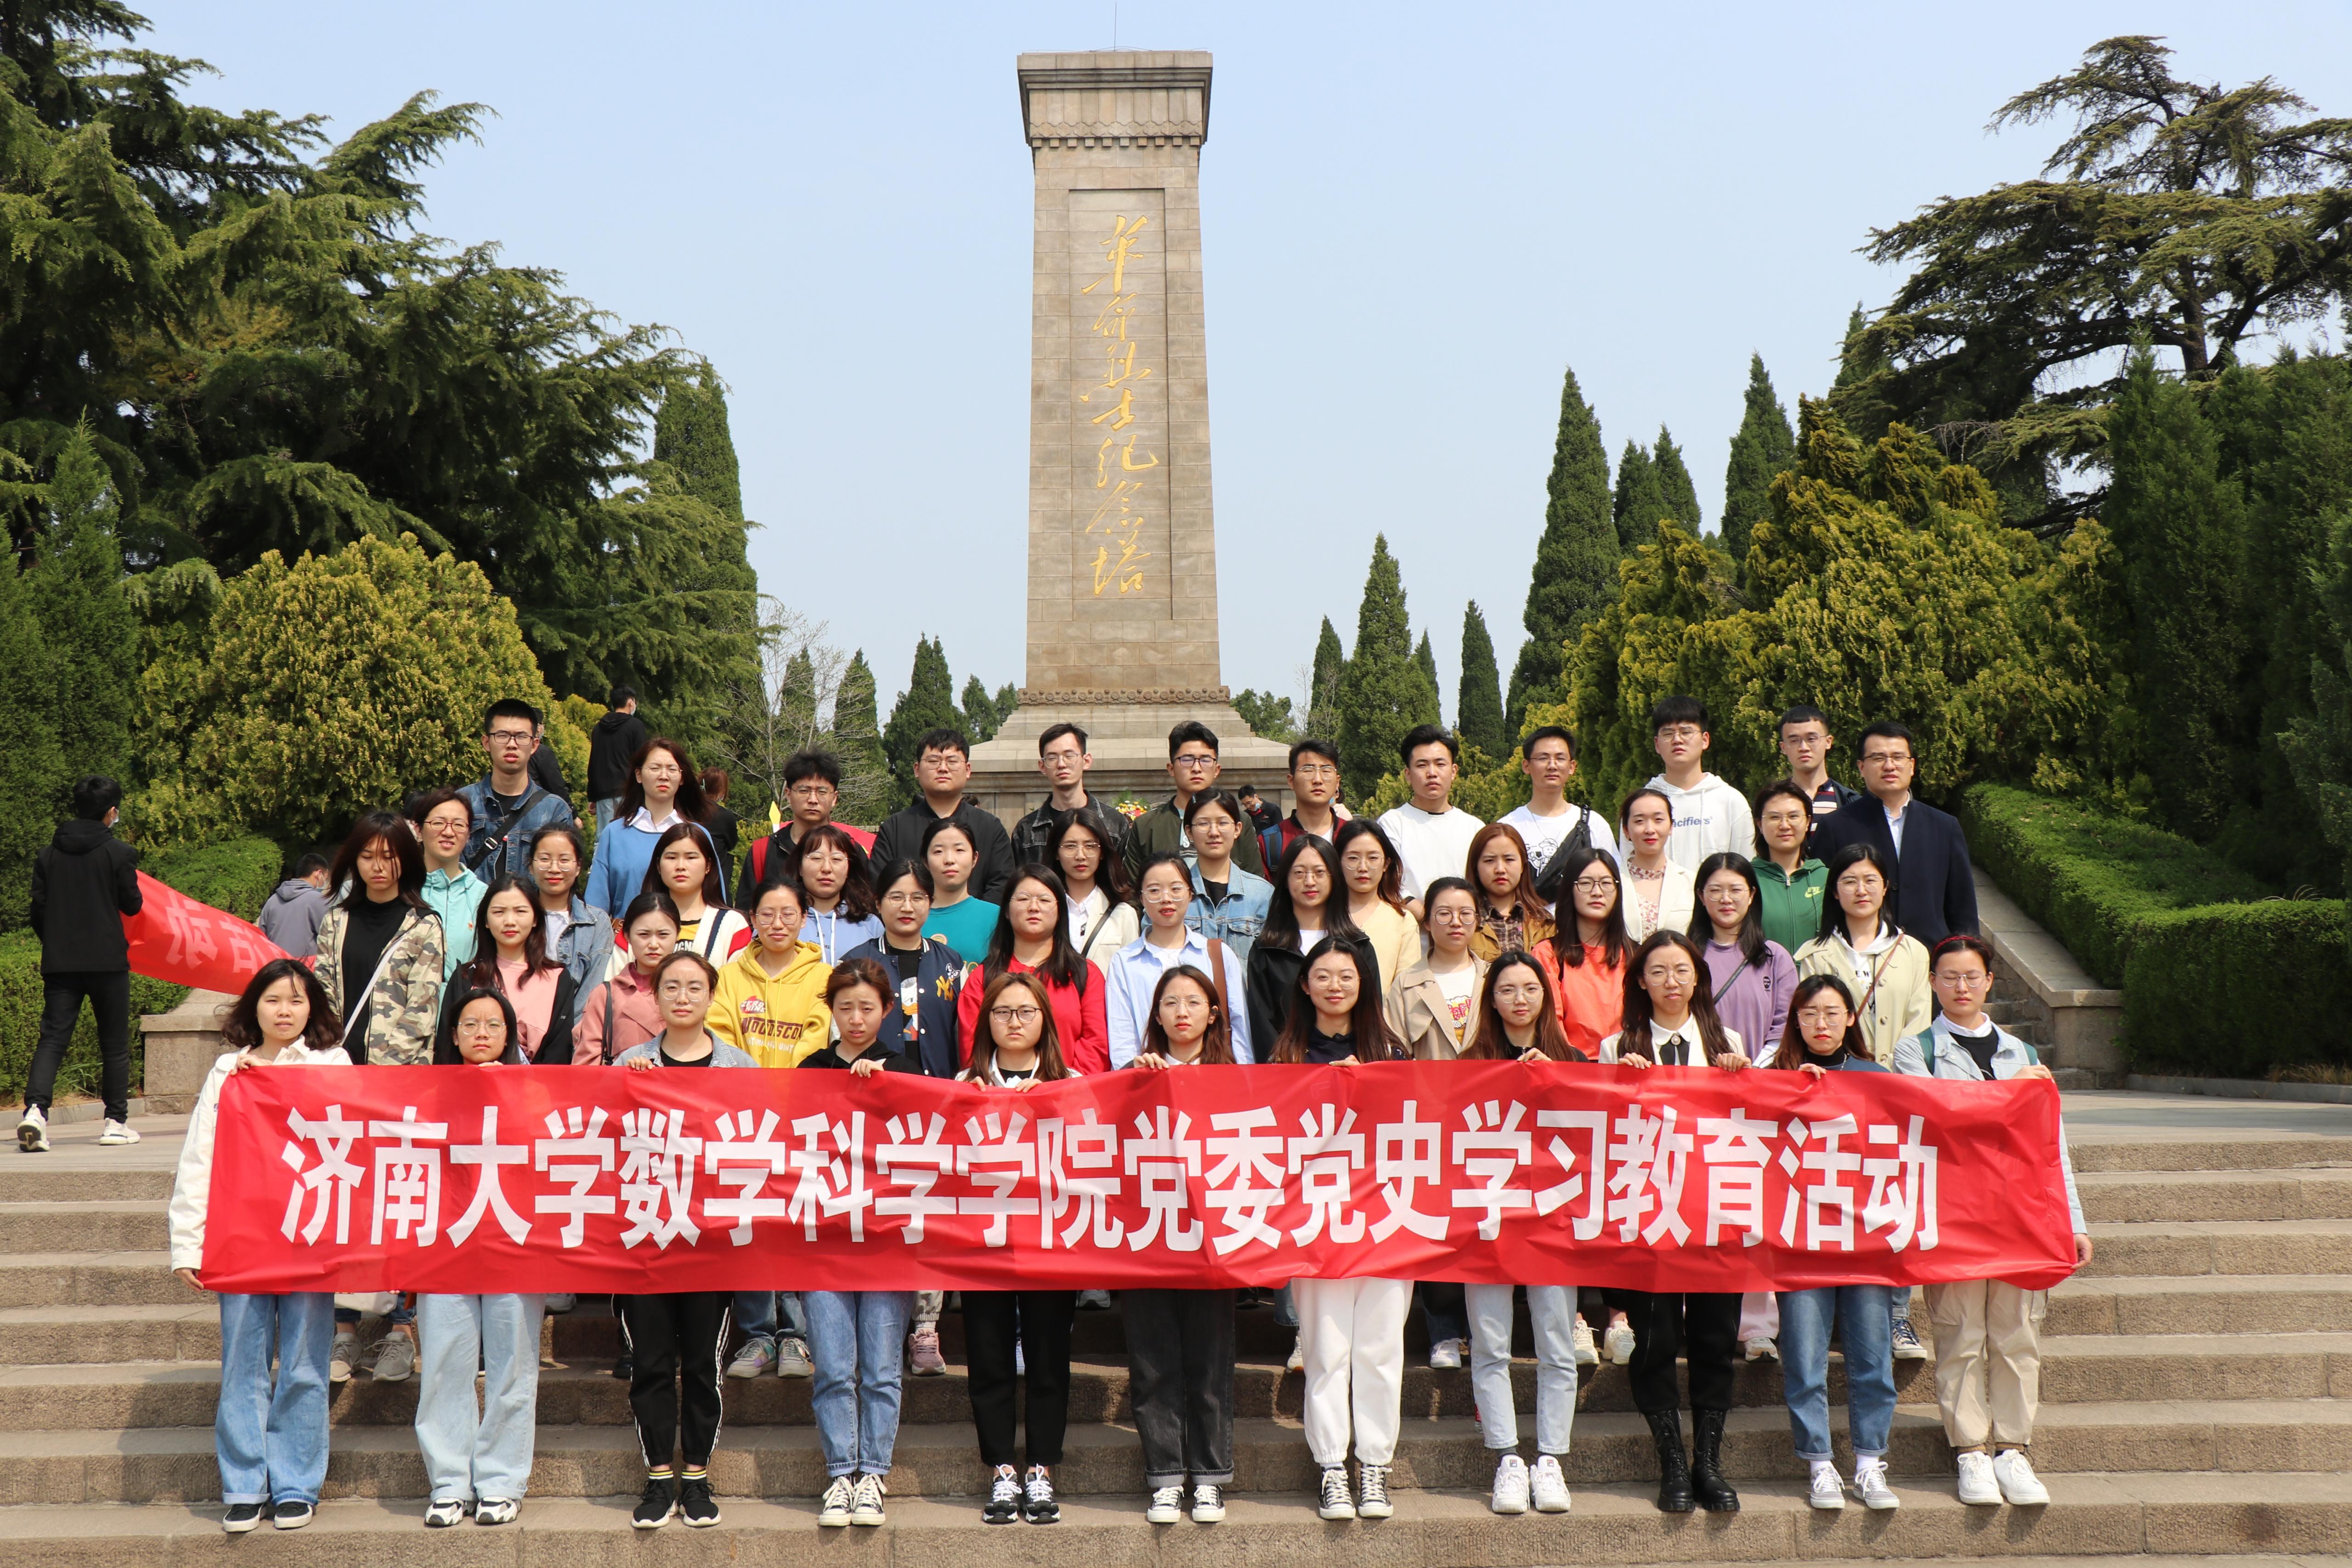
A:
2197	1403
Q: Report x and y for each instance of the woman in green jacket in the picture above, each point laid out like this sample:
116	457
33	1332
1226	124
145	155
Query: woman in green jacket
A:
1793	887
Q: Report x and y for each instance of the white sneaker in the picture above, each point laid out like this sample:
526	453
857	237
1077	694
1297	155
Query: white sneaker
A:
1977	1482
117	1134
1619	1341
1827	1492
1580	1336
1510	1494
1870	1485
2019	1487
33	1131
1761	1349
1297	1361
834	1507
1549	1485
1446	1356
1167	1506
866	1501
1337	1502
1904	1342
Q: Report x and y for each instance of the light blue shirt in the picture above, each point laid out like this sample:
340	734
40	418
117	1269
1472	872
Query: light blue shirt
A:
458	900
1134	975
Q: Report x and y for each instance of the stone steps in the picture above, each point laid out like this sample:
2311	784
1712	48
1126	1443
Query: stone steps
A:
2295	1192
2250	1152
2212	1304
176	1464
2123	1514
2229	1248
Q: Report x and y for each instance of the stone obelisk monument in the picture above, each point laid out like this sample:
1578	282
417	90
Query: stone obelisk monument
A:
1122	552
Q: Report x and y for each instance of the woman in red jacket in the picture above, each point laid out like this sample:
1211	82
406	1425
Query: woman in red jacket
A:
1033	934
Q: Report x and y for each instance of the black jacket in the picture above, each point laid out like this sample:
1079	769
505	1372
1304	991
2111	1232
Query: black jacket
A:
1270	981
83	884
1934	890
547	773
1840	798
900	837
1034	832
555	1049
829	1055
612	745
938	980
1161	831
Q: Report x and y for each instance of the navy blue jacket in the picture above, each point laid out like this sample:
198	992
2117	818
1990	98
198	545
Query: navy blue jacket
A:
1934	891
931	1045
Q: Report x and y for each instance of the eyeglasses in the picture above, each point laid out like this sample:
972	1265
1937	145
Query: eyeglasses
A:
1193	763
1014	1015
1680	732
1820	1015
677	990
1315	770
482	1028
1968	980
1454	917
1594	885
508	737
806	791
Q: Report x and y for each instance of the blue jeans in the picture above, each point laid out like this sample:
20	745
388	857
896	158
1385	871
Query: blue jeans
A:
471	1454
1552	1312
760	1314
855	1340
1864	1318
272	1441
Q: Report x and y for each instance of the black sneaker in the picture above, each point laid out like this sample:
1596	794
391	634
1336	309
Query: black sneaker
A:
241	1517
1038	1506
659	1501
1004	1504
625	1369
290	1515
695	1503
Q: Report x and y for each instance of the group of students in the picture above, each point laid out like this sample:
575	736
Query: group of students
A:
1080	943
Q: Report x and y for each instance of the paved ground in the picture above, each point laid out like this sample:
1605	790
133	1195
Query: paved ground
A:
2099	1116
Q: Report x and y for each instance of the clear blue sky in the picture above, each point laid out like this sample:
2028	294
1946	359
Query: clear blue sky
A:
1414	217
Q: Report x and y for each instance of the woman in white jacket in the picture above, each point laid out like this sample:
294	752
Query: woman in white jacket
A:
271	1439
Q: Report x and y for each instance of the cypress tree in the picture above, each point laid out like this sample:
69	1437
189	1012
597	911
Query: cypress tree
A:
1576	559
1761	449
1674	485
868	793
691	434
1478	701
2178	532
1384	693
1323	693
1640	501
1426	657
927	703
76	593
1854	392
980	717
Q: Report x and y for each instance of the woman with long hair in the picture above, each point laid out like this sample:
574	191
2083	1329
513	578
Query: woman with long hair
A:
579	934
622	1012
927	977
1510	916
1670	1021
1824	1034
510	958
663	791
833	870
1585	958
1179	1343
1659	895
478	1455
1750	975
1376	902
1351	1332
1032	937
269	1425
684	867
1017	1342
1084	850
1309	904
1432	1006
771	999
1885	969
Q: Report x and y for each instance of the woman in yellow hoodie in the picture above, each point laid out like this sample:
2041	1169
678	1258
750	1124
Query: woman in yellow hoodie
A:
770	997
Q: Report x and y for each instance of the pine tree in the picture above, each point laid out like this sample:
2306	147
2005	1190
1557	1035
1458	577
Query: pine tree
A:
927	704
1640	500
1576	559
868	793
1478	701
1675	487
1384	693
980	717
796	696
1426	657
1857	394
76	591
1761	449
1323	686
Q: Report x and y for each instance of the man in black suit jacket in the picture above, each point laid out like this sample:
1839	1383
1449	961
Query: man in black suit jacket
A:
1934	891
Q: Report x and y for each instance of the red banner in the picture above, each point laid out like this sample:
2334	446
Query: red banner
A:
483	1179
174	938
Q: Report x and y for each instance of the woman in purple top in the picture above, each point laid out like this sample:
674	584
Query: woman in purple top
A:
1753	977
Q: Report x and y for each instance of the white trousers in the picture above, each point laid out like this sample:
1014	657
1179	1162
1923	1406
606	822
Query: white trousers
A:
1351	1335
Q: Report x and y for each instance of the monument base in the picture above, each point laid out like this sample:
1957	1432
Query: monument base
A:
1129	741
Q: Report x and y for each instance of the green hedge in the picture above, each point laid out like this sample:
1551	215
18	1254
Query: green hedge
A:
2089	876
2234	990
237	876
2221	977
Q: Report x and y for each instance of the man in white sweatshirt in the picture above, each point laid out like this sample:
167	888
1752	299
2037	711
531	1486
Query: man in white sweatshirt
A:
1710	816
1431	835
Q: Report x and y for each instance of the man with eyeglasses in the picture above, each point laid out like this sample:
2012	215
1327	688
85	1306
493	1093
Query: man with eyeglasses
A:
1062	759
1710	816
1192	767
1315	786
812	790
1550	822
1935	888
942	768
508	808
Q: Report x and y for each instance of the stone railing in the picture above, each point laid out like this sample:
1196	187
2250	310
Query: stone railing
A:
181	1046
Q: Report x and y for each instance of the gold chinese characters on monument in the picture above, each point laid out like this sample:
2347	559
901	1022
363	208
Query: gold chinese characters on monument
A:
1123	405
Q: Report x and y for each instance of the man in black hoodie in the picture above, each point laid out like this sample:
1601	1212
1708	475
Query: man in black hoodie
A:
83	884
612	746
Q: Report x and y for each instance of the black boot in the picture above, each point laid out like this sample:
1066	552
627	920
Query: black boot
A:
1714	1493
1674	1469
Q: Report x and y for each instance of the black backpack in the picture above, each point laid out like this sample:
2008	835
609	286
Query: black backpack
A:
1551	882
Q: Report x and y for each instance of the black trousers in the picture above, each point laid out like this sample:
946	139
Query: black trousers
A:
1704	1328
1041	1320
1443	1308
109	1000
1180	1358
676	1342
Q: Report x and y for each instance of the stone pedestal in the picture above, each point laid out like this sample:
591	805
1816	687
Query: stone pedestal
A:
1122	548
180	1048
